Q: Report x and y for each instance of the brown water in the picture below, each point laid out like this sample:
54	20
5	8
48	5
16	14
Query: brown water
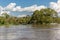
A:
30	32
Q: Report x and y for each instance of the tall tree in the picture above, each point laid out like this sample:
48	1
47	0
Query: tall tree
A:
43	16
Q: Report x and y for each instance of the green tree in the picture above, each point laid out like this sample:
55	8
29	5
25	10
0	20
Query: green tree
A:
43	16
6	15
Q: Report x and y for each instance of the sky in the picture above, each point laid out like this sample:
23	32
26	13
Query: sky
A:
25	3
22	8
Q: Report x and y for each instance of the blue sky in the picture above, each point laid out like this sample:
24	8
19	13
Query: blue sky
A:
25	3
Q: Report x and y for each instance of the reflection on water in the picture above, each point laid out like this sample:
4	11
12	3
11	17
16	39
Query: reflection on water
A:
30	32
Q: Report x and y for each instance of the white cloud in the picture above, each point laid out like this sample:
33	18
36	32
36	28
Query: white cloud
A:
18	8
33	8
1	8
55	5
30	8
10	6
41	7
21	15
8	12
13	7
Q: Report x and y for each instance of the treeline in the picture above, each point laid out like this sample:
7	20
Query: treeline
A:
6	19
44	16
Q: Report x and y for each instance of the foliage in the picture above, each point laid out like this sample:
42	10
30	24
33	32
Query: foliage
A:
7	19
44	16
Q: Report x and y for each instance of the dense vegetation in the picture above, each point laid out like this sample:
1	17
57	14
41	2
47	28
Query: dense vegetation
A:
7	19
44	16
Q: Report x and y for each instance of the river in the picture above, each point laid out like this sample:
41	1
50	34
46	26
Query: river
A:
30	32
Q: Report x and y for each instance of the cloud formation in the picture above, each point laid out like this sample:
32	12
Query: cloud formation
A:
55	5
13	7
10	6
22	15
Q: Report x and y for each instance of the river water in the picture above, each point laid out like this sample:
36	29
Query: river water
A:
30	32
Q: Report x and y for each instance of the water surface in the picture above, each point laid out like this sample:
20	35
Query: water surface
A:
30	32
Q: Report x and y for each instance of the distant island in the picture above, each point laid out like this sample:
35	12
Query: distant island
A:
44	16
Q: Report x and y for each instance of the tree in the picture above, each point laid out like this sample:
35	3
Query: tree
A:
43	16
6	15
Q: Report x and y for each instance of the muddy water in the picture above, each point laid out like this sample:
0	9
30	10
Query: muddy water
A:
30	32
